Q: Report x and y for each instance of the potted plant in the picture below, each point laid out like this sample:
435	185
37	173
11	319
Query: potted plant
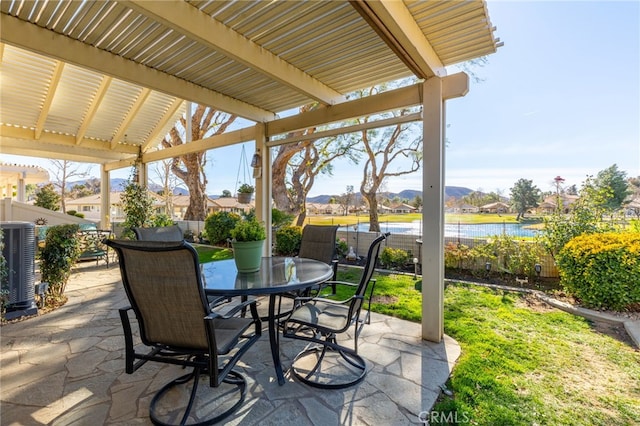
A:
245	191
247	240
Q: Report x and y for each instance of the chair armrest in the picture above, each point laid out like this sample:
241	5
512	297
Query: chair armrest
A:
231	313
325	300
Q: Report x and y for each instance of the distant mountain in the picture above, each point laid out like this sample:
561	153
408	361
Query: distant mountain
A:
407	194
118	184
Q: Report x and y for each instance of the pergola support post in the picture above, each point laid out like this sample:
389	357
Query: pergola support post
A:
263	185
105	205
435	91
433	211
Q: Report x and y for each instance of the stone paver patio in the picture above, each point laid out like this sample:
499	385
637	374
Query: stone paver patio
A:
67	368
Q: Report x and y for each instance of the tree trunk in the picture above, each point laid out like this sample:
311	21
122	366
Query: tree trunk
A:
190	175
279	178
189	168
374	222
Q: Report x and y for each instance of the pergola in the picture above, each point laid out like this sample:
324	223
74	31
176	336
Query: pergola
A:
103	81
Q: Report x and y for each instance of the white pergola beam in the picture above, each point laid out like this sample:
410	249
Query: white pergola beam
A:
396	24
161	123
218	141
348	129
43	41
386	101
93	108
46	105
196	25
131	115
41	149
64	142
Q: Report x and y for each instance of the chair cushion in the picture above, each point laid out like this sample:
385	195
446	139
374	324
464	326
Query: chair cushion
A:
328	316
228	331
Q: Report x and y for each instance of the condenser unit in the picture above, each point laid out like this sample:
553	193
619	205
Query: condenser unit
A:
19	253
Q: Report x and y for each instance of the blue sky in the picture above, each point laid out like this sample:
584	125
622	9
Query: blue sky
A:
561	97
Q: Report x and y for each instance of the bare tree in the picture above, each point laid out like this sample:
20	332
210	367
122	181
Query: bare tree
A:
383	148
168	182
297	165
189	168
285	153
62	171
313	160
346	199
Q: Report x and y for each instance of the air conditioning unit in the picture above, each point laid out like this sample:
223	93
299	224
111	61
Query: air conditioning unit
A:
19	252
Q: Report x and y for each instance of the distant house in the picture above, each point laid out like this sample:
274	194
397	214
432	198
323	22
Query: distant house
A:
90	206
329	209
178	205
231	204
549	204
467	208
401	208
546	207
497	207
175	207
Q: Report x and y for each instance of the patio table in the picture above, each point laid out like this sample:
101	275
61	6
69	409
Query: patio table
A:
277	276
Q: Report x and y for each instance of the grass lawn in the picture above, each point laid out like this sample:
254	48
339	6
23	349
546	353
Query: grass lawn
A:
523	363
210	253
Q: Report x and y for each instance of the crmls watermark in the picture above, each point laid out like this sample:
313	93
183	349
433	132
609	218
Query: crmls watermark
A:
451	417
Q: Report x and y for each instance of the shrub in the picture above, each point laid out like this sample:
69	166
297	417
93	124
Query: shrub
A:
218	226
288	240
60	253
342	248
280	218
457	256
161	219
602	270
515	257
393	258
248	230
137	206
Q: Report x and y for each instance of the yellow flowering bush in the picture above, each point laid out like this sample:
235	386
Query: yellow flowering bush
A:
602	270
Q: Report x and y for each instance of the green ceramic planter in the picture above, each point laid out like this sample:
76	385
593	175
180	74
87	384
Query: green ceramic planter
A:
248	255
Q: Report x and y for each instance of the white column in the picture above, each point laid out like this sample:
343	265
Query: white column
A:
9	190
21	187
105	193
263	186
433	211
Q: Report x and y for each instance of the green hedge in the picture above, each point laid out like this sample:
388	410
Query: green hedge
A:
392	258
59	254
602	270
218	226
288	240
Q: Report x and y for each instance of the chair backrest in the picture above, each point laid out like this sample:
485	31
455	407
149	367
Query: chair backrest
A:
367	273
163	283
160	233
318	242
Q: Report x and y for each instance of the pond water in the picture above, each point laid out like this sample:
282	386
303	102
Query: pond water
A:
451	229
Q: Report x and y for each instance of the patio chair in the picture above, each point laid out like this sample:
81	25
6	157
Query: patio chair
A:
159	233
162	281
325	363
319	243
